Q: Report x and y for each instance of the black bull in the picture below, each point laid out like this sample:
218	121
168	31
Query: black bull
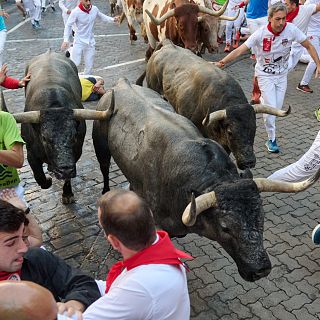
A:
53	122
196	88
166	160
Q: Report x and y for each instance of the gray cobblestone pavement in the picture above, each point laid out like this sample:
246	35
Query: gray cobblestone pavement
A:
291	291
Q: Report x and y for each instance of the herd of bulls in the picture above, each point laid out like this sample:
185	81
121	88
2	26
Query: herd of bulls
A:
181	167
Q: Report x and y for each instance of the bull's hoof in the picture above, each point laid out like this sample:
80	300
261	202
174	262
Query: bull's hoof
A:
133	37
68	199
47	184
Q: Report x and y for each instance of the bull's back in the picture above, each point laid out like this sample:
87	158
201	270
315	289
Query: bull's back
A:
52	71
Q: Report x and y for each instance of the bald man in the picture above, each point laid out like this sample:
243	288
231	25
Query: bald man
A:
145	284
25	300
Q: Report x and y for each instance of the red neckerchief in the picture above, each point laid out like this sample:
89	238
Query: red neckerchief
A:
291	15
162	252
10	275
82	8
276	34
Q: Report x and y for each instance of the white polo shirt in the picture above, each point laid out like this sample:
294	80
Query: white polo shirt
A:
147	292
303	18
84	22
275	60
314	24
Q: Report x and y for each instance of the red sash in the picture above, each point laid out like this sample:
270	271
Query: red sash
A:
10	275
82	8
276	34
162	252
291	15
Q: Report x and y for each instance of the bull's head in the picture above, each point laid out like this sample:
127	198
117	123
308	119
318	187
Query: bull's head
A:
61	132
236	127
233	216
186	16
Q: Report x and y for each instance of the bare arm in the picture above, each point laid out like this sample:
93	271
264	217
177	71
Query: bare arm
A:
232	55
313	53
14	157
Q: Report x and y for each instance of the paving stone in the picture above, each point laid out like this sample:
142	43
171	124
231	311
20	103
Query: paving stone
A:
296	302
304	314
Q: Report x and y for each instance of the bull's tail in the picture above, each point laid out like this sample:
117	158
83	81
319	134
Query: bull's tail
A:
139	81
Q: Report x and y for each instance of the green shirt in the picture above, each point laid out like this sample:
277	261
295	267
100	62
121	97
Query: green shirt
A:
9	135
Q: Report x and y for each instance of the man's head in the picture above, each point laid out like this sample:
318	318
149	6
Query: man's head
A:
86	3
12	245
291	4
26	300
124	215
277	16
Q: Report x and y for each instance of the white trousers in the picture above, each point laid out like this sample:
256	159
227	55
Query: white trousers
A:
233	24
255	24
302	169
273	90
34	8
295	55
315	40
3	37
88	55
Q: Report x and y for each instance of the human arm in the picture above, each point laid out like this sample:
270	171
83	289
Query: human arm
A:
106	18
313	53
232	55
11	83
63	7
68	29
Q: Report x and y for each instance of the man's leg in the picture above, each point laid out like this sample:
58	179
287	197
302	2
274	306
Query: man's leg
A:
88	55
295	55
269	97
311	66
302	169
76	53
237	25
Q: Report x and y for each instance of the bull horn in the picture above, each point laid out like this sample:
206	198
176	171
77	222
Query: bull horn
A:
82	114
214	13
262	108
156	21
196	206
27	117
266	185
214	117
230	18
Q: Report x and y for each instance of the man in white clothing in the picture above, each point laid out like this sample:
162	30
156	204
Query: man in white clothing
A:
83	17
313	34
300	16
34	9
150	283
273	45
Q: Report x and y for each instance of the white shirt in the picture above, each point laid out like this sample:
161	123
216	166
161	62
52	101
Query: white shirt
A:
314	24
66	5
85	23
275	61
303	17
147	292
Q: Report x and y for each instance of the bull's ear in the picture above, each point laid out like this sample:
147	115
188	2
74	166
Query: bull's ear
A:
172	5
195	192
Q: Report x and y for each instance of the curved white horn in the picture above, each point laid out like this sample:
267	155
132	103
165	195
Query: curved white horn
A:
214	117
262	108
156	21
230	18
27	117
266	185
196	206
214	13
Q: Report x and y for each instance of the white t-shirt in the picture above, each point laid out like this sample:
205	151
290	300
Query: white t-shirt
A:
275	60
303	17
84	23
147	292
314	24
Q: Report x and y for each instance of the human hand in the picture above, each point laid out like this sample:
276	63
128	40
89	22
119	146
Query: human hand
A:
65	45
23	82
4	14
71	308
116	19
10	195
220	64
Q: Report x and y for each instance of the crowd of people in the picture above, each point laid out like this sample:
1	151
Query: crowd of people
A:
144	283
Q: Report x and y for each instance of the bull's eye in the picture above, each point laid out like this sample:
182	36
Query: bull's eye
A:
229	132
224	227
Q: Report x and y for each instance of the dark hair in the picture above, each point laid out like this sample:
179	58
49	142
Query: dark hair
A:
296	2
135	228
11	218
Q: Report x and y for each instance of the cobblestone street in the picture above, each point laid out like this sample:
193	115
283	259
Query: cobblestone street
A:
290	292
